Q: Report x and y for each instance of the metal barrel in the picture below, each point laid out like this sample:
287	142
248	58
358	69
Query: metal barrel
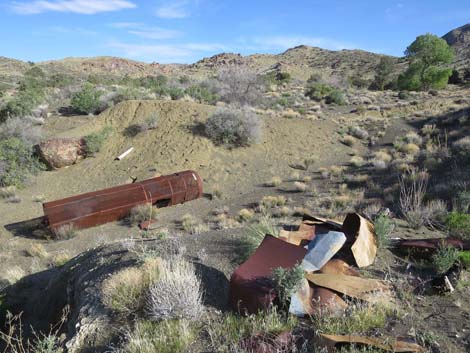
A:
107	205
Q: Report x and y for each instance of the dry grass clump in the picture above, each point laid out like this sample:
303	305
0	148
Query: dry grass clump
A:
177	294
307	179
66	231
13	274
38	198
125	291
37	250
60	258
299	186
414	138
245	215
324	173
383	155
336	170
273	201
358	132
412	192
295	176
223	221
172	336
7	192
275	181
193	225
410	149
142	213
217	191
357	161
348	140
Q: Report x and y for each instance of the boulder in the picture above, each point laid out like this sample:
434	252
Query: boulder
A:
61	152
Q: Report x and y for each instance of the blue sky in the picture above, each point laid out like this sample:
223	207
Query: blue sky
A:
185	31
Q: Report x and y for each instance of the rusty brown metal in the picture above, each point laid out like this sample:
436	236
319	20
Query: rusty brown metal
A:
251	287
433	243
107	205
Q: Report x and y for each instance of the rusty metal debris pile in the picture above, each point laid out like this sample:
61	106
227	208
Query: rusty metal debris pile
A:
329	254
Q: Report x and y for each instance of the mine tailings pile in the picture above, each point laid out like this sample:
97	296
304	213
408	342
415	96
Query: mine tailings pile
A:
329	254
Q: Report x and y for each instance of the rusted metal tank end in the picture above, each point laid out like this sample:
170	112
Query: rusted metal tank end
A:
112	204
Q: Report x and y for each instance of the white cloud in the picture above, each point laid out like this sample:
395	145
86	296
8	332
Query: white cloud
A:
286	42
156	33
87	7
126	24
173	10
165	53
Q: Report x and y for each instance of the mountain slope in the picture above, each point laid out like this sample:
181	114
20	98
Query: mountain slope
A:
459	39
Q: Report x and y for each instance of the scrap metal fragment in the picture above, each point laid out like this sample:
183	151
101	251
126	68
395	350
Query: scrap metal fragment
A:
355	287
124	154
433	243
251	286
391	344
322	249
360	232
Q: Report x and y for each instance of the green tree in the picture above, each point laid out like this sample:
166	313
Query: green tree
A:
87	100
383	71
427	54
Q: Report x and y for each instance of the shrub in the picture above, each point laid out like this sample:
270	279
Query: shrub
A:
158	337
125	291
87	101
404	95
245	215
287	282
66	231
358	132
95	141
22	128
336	97
463	201
458	225
383	71
318	91
177	294
142	213
239	85
234	127
174	92
275	181
384	227
16	162
412	191
202	93
445	258
461	148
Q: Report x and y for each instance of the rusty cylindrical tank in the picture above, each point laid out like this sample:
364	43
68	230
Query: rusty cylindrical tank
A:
107	205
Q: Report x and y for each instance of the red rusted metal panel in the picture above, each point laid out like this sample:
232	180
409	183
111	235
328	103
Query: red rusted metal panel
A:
433	243
107	205
251	287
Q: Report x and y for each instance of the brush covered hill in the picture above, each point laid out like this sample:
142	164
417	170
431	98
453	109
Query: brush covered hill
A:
459	39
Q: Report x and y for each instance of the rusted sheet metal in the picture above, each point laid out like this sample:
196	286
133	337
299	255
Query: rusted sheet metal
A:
99	207
356	287
391	344
251	287
360	233
433	243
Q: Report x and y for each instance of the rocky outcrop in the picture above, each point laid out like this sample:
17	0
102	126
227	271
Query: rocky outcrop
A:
459	40
61	152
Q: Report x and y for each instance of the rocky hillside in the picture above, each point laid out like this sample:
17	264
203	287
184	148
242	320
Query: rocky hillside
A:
459	39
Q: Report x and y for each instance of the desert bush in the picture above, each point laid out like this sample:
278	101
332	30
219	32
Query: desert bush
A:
348	140
286	283
462	202
461	148
458	225
445	258
234	127
174	92
7	192
23	128
275	181
227	331
158	337
16	161
336	97
318	91
383	227
95	140
87	101
245	215
125	292
142	213
239	85
358	132
404	95
412	192
177	294
202	93
383	71
66	231
300	186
